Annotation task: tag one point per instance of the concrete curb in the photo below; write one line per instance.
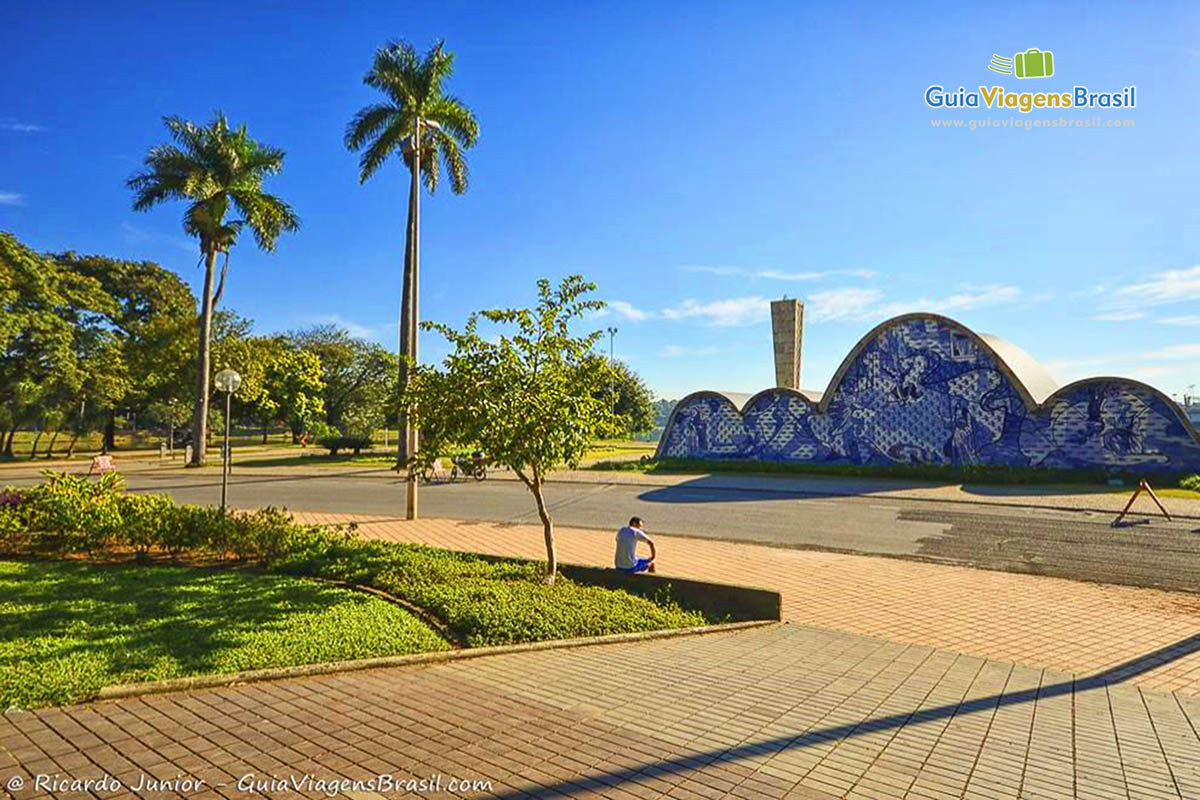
(129, 690)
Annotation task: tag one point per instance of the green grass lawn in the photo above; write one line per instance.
(491, 601)
(68, 629)
(317, 457)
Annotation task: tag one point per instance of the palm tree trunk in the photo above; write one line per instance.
(414, 227)
(405, 326)
(203, 365)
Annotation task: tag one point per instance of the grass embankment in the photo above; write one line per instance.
(110, 608)
(1093, 480)
(488, 601)
(68, 629)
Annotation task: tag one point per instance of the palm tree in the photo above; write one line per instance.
(216, 169)
(425, 128)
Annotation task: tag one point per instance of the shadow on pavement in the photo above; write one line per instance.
(234, 479)
(748, 488)
(604, 781)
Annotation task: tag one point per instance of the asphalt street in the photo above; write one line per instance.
(1073, 544)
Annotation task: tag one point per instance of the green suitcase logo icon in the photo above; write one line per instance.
(1034, 63)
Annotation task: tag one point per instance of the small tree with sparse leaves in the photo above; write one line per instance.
(530, 399)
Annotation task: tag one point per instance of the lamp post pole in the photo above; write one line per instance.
(228, 382)
(612, 334)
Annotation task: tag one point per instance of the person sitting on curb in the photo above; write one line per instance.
(627, 540)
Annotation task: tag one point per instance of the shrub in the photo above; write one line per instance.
(263, 535)
(145, 520)
(12, 524)
(1190, 482)
(335, 443)
(72, 513)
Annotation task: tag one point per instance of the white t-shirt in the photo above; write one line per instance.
(627, 539)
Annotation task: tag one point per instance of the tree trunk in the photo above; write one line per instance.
(203, 365)
(547, 529)
(405, 322)
(110, 432)
(8, 442)
(264, 434)
(71, 446)
(33, 447)
(53, 439)
(406, 316)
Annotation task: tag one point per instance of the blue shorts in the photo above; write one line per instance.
(641, 565)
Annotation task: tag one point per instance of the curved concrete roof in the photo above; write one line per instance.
(1030, 379)
(1033, 375)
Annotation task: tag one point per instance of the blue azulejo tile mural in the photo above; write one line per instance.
(923, 389)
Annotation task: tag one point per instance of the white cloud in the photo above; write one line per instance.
(1130, 363)
(11, 199)
(847, 303)
(20, 127)
(1188, 321)
(972, 297)
(713, 270)
(723, 313)
(624, 310)
(853, 303)
(1176, 352)
(1171, 286)
(135, 235)
(1119, 316)
(353, 328)
(780, 275)
(681, 351)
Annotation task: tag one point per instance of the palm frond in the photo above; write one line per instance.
(368, 122)
(449, 112)
(391, 140)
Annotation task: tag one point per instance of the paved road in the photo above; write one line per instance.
(1074, 544)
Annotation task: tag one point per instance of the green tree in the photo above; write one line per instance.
(630, 398)
(425, 128)
(153, 319)
(359, 376)
(530, 400)
(217, 170)
(295, 386)
(280, 383)
(54, 341)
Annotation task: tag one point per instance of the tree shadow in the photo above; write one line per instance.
(144, 619)
(605, 781)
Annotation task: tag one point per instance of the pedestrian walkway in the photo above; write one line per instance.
(1051, 623)
(784, 711)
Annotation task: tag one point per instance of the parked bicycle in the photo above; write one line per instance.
(460, 468)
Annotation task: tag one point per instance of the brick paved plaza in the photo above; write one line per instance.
(782, 711)
(1068, 626)
(891, 679)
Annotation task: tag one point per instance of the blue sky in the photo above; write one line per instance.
(694, 159)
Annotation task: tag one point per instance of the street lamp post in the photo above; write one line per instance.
(226, 381)
(612, 333)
